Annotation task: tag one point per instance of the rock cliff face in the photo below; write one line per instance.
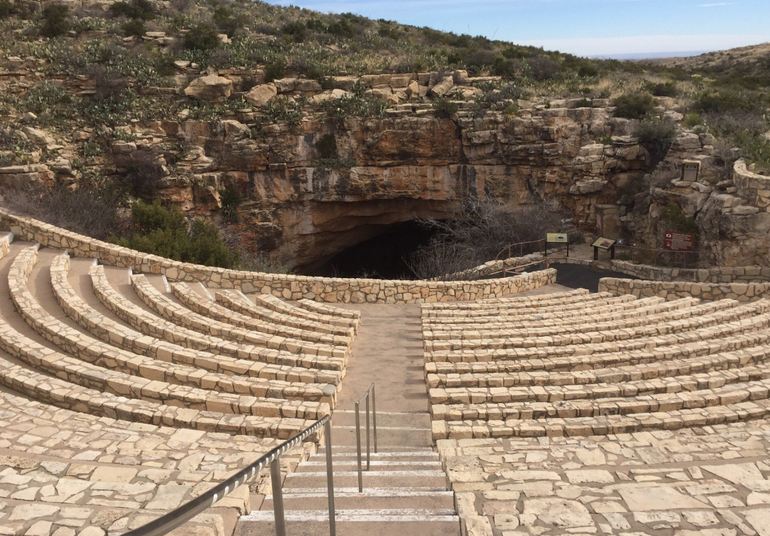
(304, 204)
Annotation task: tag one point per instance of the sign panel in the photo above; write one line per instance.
(603, 243)
(678, 241)
(556, 238)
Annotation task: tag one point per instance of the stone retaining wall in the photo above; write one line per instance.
(495, 267)
(751, 186)
(672, 290)
(721, 274)
(290, 287)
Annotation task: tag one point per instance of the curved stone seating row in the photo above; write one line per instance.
(329, 310)
(510, 301)
(572, 323)
(326, 315)
(97, 365)
(183, 316)
(237, 301)
(593, 302)
(647, 365)
(208, 308)
(275, 363)
(117, 334)
(604, 425)
(568, 313)
(643, 365)
(715, 314)
(586, 356)
(630, 388)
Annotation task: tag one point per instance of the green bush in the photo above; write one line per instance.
(275, 71)
(133, 9)
(203, 36)
(358, 104)
(134, 27)
(326, 146)
(6, 9)
(231, 200)
(724, 101)
(444, 108)
(663, 89)
(161, 231)
(693, 119)
(226, 20)
(634, 105)
(656, 137)
(56, 20)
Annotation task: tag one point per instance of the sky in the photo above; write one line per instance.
(585, 27)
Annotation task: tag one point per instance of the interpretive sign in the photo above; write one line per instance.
(678, 241)
(557, 238)
(603, 243)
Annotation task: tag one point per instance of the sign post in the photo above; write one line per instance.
(556, 238)
(607, 244)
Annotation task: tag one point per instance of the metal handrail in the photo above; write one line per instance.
(190, 509)
(370, 393)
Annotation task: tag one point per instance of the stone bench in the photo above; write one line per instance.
(183, 316)
(119, 335)
(323, 314)
(542, 299)
(281, 364)
(209, 309)
(97, 365)
(585, 324)
(329, 310)
(237, 301)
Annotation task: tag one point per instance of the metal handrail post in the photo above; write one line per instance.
(368, 450)
(374, 417)
(330, 479)
(275, 480)
(358, 450)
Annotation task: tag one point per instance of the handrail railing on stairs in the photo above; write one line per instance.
(181, 515)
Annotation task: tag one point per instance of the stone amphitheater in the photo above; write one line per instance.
(133, 384)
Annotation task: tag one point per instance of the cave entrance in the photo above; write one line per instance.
(382, 257)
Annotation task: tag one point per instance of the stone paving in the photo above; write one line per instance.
(708, 481)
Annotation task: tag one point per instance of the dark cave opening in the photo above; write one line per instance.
(385, 256)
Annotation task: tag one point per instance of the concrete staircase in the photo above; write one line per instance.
(405, 490)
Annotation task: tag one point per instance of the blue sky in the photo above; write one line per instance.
(585, 27)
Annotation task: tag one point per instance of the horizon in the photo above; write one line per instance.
(590, 28)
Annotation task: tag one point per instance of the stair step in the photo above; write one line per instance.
(406, 437)
(389, 419)
(351, 465)
(350, 457)
(394, 515)
(417, 491)
(373, 479)
(441, 501)
(371, 526)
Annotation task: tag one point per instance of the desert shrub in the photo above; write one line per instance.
(163, 231)
(674, 218)
(497, 98)
(282, 109)
(693, 119)
(55, 21)
(141, 174)
(326, 146)
(663, 89)
(90, 207)
(6, 9)
(341, 28)
(444, 108)
(634, 105)
(656, 136)
(133, 9)
(275, 70)
(231, 199)
(134, 27)
(724, 101)
(543, 68)
(203, 36)
(477, 234)
(48, 99)
(226, 20)
(358, 104)
(296, 30)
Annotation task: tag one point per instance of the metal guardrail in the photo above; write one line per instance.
(369, 394)
(179, 516)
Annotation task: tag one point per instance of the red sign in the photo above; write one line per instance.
(678, 241)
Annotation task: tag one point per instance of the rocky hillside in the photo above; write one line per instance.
(302, 134)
